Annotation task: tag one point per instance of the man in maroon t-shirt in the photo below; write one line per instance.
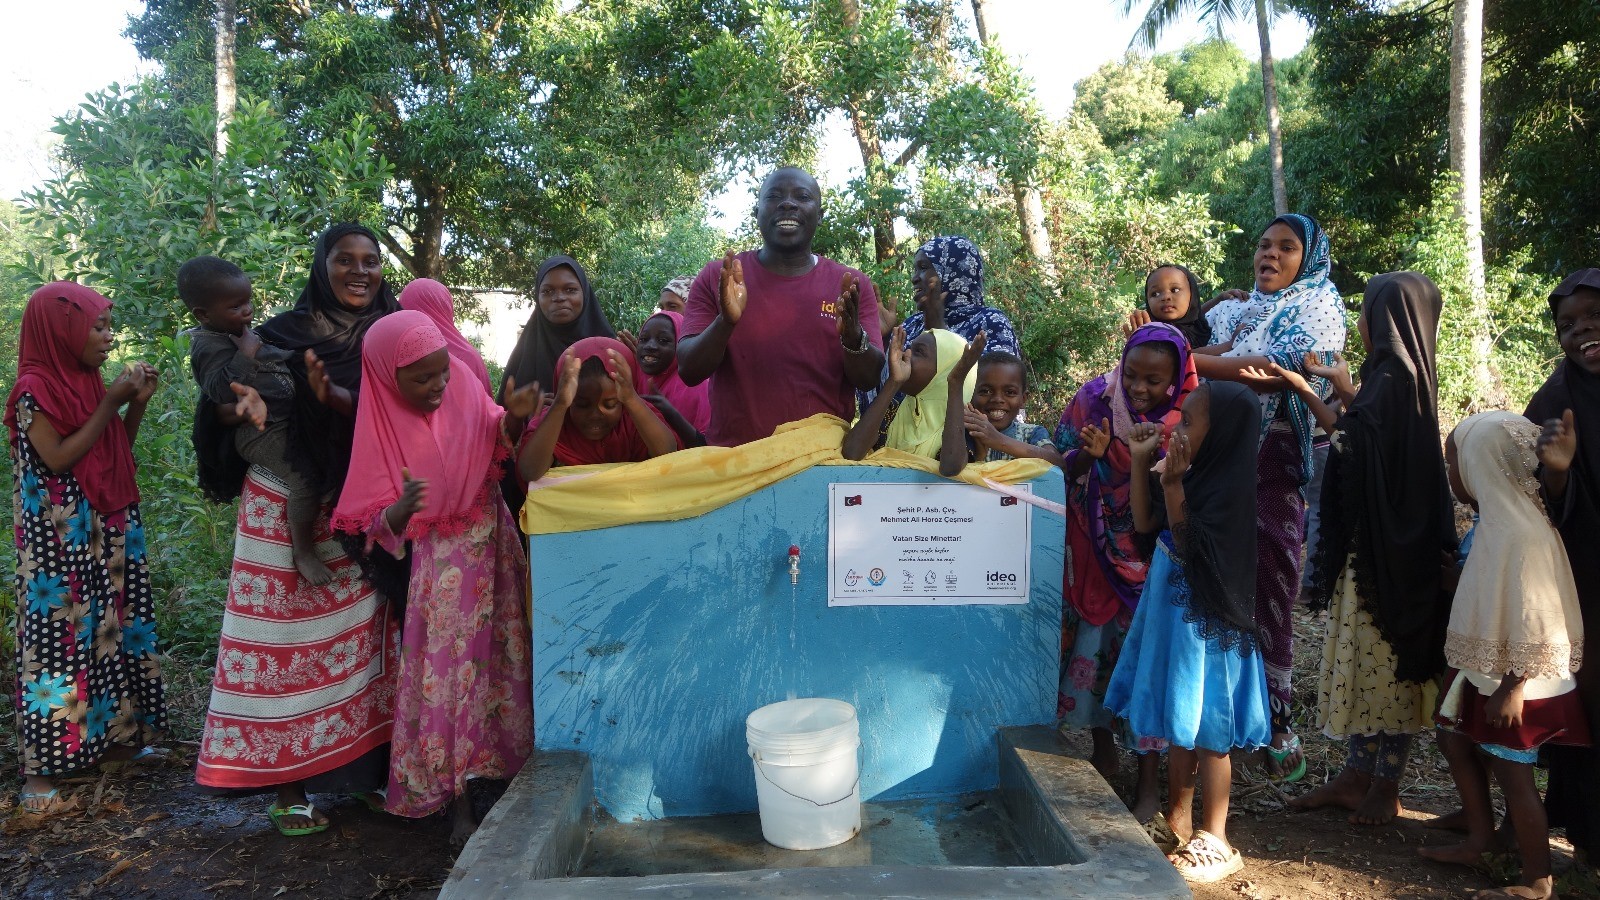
(778, 330)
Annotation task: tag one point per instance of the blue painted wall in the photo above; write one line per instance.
(652, 642)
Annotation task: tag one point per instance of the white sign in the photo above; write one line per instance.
(926, 545)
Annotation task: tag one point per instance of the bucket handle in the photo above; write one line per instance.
(847, 796)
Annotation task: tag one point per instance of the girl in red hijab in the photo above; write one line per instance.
(89, 684)
(423, 485)
(598, 416)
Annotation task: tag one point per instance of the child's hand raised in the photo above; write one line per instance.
(567, 386)
(522, 402)
(623, 376)
(978, 425)
(629, 340)
(899, 356)
(1177, 461)
(126, 386)
(731, 293)
(1144, 442)
(147, 389)
(1096, 439)
(1137, 319)
(1337, 371)
(969, 358)
(250, 407)
(1558, 443)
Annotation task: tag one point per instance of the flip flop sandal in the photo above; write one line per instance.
(1161, 834)
(1206, 859)
(278, 813)
(146, 758)
(376, 801)
(1280, 757)
(29, 803)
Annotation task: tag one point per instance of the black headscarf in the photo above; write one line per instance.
(320, 323)
(1570, 386)
(319, 438)
(1217, 539)
(1384, 494)
(1193, 324)
(542, 343)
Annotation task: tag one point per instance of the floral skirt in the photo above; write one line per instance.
(1088, 654)
(1357, 692)
(305, 675)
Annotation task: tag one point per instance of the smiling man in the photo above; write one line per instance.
(778, 330)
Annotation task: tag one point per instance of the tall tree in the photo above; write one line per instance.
(1024, 192)
(1162, 13)
(227, 75)
(1466, 114)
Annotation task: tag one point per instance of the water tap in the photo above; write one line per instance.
(794, 564)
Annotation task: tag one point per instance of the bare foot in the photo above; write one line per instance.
(463, 824)
(1381, 804)
(1540, 889)
(1466, 853)
(1451, 821)
(311, 568)
(1347, 790)
(1145, 806)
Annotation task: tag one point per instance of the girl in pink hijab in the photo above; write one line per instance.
(433, 300)
(424, 485)
(657, 351)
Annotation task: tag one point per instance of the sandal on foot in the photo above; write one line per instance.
(146, 758)
(377, 800)
(1278, 757)
(1161, 834)
(278, 813)
(44, 803)
(1206, 859)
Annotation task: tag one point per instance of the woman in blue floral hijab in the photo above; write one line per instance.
(954, 266)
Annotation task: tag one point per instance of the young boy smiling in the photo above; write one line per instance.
(991, 418)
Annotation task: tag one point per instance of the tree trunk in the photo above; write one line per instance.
(1269, 90)
(869, 140)
(227, 28)
(1466, 91)
(1030, 205)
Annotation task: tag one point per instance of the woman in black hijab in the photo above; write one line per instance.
(1387, 527)
(565, 311)
(1568, 406)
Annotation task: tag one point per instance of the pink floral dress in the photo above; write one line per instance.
(464, 707)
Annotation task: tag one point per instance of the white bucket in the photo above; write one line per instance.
(807, 779)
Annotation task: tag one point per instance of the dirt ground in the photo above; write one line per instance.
(154, 835)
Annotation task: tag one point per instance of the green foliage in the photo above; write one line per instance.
(1127, 101)
(1203, 76)
(642, 259)
(143, 193)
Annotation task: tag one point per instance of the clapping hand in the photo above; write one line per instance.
(1136, 320)
(1096, 439)
(979, 427)
(851, 334)
(899, 356)
(1558, 443)
(250, 407)
(931, 300)
(1145, 441)
(317, 375)
(622, 374)
(732, 294)
(969, 357)
(629, 340)
(152, 378)
(567, 385)
(1178, 455)
(523, 402)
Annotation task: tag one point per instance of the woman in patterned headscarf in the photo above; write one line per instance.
(951, 268)
(1294, 310)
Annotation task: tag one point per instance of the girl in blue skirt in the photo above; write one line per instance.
(1190, 672)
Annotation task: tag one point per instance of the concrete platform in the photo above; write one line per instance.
(1072, 839)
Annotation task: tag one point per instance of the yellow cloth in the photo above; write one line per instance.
(918, 425)
(693, 482)
(1358, 693)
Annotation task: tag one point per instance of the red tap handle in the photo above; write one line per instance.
(793, 550)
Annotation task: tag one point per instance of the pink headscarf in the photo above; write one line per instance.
(433, 300)
(694, 403)
(623, 444)
(55, 327)
(454, 448)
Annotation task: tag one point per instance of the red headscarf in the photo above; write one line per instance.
(623, 444)
(433, 300)
(453, 448)
(694, 403)
(55, 328)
